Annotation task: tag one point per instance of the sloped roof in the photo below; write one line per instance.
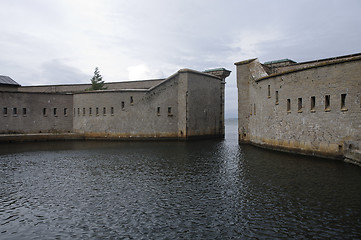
(5, 80)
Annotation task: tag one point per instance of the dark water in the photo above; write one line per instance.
(174, 190)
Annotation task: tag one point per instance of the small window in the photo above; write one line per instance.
(78, 111)
(277, 102)
(343, 102)
(112, 111)
(45, 112)
(90, 111)
(269, 91)
(15, 111)
(158, 111)
(65, 112)
(288, 105)
(250, 109)
(104, 111)
(55, 111)
(313, 104)
(5, 111)
(123, 105)
(299, 105)
(24, 111)
(254, 109)
(131, 100)
(170, 111)
(83, 111)
(327, 103)
(97, 111)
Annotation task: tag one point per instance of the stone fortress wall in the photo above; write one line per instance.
(311, 108)
(185, 105)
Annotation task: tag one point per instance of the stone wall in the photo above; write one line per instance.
(311, 111)
(35, 112)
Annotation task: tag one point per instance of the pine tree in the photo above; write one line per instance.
(97, 81)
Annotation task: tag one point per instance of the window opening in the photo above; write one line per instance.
(269, 91)
(343, 102)
(277, 98)
(170, 111)
(15, 111)
(97, 111)
(158, 111)
(78, 111)
(44, 111)
(123, 105)
(112, 110)
(5, 111)
(313, 104)
(83, 111)
(104, 111)
(24, 111)
(299, 105)
(131, 100)
(65, 112)
(55, 111)
(327, 103)
(90, 111)
(254, 109)
(288, 105)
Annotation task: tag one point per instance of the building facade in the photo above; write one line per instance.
(311, 108)
(188, 104)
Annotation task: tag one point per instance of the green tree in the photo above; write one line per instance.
(97, 81)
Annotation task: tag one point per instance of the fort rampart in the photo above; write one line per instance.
(311, 108)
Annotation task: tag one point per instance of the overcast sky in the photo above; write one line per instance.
(62, 41)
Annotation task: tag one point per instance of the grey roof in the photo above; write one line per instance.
(280, 61)
(5, 80)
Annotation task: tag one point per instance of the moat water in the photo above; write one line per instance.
(210, 189)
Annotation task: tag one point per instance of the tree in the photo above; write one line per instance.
(97, 81)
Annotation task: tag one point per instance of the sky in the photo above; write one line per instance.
(46, 42)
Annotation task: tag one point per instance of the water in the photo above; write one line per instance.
(208, 189)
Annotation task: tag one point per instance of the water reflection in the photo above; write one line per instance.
(160, 190)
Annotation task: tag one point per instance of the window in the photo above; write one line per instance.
(65, 112)
(250, 109)
(327, 103)
(104, 111)
(343, 102)
(45, 112)
(288, 105)
(254, 109)
(123, 105)
(313, 104)
(90, 111)
(55, 111)
(277, 98)
(170, 111)
(112, 111)
(5, 111)
(83, 111)
(158, 111)
(131, 100)
(15, 111)
(97, 111)
(269, 91)
(24, 111)
(78, 111)
(299, 105)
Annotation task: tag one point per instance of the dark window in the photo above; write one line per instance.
(24, 111)
(65, 112)
(97, 111)
(343, 102)
(15, 111)
(55, 111)
(169, 111)
(131, 100)
(313, 103)
(112, 110)
(90, 111)
(269, 91)
(104, 111)
(299, 104)
(123, 105)
(78, 111)
(158, 111)
(254, 109)
(83, 111)
(44, 111)
(5, 111)
(288, 105)
(327, 102)
(276, 97)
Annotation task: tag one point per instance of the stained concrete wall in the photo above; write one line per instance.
(24, 112)
(288, 122)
